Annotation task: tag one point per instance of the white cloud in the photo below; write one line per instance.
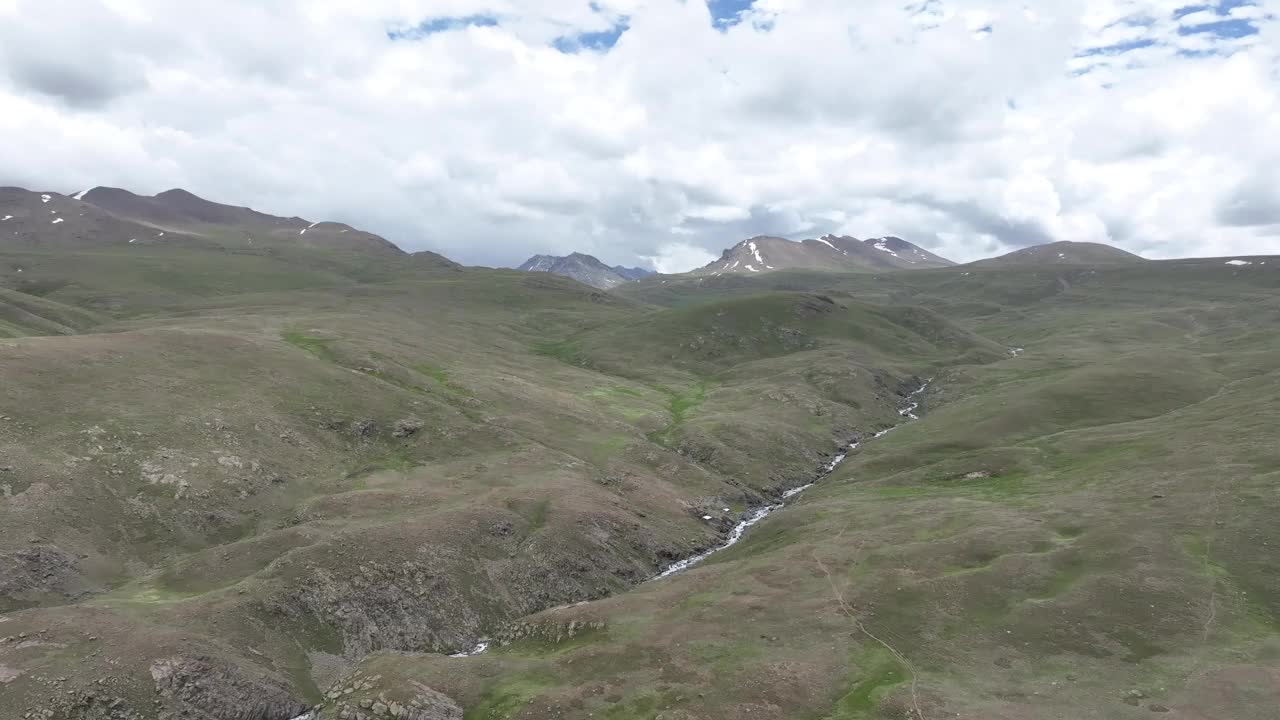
(1082, 119)
(718, 213)
(675, 257)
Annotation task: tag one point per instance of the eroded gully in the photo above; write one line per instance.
(907, 411)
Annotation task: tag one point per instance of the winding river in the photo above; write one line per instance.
(908, 410)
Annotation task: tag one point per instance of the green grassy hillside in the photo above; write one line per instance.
(1081, 530)
(277, 468)
(711, 338)
(236, 485)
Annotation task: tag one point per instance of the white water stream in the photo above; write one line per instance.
(478, 649)
(908, 411)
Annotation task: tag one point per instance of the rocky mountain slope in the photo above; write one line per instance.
(48, 220)
(586, 269)
(110, 217)
(829, 253)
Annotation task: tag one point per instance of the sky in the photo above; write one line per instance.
(659, 132)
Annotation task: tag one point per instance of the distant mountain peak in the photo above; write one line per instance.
(633, 273)
(765, 253)
(1064, 253)
(586, 269)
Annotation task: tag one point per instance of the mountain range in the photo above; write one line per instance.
(177, 218)
(828, 253)
(760, 255)
(110, 216)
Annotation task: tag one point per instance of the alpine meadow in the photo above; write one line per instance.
(249, 480)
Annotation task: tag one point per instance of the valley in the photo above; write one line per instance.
(317, 476)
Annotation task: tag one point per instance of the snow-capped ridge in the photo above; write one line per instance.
(828, 253)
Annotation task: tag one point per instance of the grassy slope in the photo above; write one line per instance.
(220, 473)
(1082, 531)
(22, 314)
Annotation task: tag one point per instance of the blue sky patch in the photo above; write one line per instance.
(434, 26)
(1185, 11)
(1229, 28)
(1118, 48)
(600, 41)
(727, 13)
(1225, 27)
(1211, 24)
(1139, 20)
(1223, 7)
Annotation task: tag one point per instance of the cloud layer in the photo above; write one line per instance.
(662, 131)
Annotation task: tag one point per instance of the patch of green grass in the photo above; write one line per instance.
(1068, 570)
(643, 707)
(1000, 488)
(975, 564)
(148, 592)
(1069, 532)
(506, 699)
(879, 672)
(438, 374)
(724, 656)
(566, 351)
(398, 458)
(1252, 603)
(393, 380)
(702, 600)
(625, 401)
(680, 405)
(317, 346)
(533, 511)
(609, 445)
(1139, 648)
(442, 378)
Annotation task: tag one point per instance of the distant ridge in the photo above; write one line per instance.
(586, 269)
(832, 253)
(633, 273)
(1063, 253)
(180, 211)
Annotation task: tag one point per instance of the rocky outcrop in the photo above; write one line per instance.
(199, 688)
(398, 605)
(549, 631)
(37, 572)
(406, 427)
(360, 698)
